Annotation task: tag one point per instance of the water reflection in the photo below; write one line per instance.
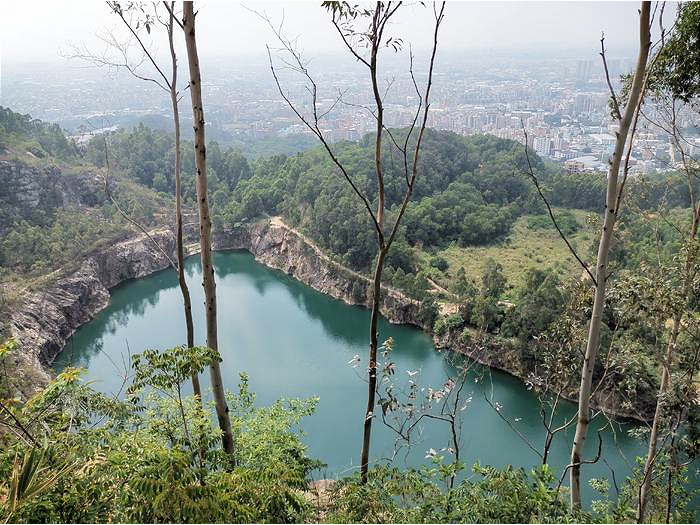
(295, 342)
(350, 329)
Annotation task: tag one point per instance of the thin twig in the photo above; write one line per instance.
(613, 96)
(19, 424)
(536, 182)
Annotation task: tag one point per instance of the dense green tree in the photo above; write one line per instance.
(539, 303)
(678, 61)
(39, 137)
(493, 282)
(428, 312)
(401, 256)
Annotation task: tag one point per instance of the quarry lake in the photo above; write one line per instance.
(295, 342)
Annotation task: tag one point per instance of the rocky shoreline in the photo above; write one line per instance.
(506, 358)
(49, 317)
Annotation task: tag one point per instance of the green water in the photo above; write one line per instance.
(296, 342)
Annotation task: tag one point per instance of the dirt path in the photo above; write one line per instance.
(446, 307)
(440, 289)
(278, 222)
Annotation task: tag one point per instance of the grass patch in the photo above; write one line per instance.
(523, 248)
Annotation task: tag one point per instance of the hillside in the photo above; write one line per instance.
(54, 208)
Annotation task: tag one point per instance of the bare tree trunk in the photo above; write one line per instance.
(377, 280)
(187, 301)
(209, 283)
(611, 212)
(372, 370)
(169, 85)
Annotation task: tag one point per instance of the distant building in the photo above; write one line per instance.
(584, 163)
(583, 71)
(604, 140)
(583, 103)
(543, 146)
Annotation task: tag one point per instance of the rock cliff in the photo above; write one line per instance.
(32, 193)
(283, 249)
(50, 316)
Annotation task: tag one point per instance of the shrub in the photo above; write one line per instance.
(454, 322)
(439, 262)
(440, 327)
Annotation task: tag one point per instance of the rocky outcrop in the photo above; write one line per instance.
(50, 316)
(281, 248)
(31, 193)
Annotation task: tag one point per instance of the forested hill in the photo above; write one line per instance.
(470, 192)
(53, 204)
(34, 137)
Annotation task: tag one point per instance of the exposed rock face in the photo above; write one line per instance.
(279, 248)
(49, 317)
(31, 193)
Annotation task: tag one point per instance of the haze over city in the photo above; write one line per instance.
(500, 65)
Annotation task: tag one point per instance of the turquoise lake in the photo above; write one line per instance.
(295, 342)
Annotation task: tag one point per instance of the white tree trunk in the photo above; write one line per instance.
(593, 343)
(184, 289)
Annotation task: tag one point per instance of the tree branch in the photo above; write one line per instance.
(613, 96)
(536, 182)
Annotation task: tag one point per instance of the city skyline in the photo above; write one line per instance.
(559, 97)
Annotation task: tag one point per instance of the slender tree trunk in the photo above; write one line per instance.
(647, 473)
(547, 446)
(382, 250)
(602, 259)
(372, 369)
(187, 301)
(669, 482)
(209, 283)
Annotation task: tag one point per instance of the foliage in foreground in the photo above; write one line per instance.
(71, 454)
(488, 495)
(415, 496)
(87, 457)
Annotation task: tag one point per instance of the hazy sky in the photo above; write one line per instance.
(33, 30)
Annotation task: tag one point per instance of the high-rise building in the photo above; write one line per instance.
(583, 71)
(543, 146)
